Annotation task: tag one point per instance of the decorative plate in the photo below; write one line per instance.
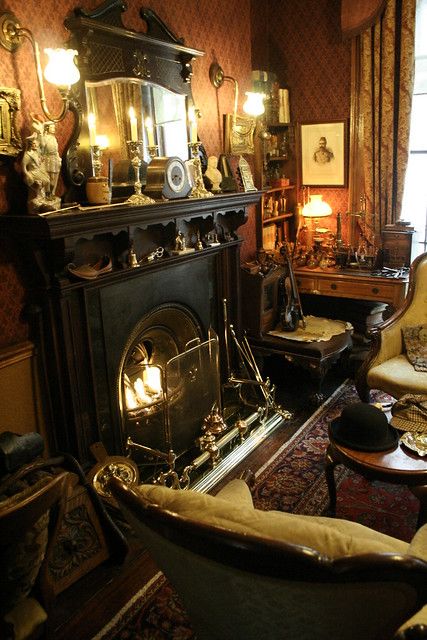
(415, 441)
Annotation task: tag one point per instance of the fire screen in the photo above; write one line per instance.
(169, 383)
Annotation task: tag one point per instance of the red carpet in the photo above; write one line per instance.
(293, 481)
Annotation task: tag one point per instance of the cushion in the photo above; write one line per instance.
(415, 339)
(330, 536)
(418, 545)
(396, 377)
(236, 491)
(21, 559)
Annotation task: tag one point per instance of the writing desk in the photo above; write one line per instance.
(354, 284)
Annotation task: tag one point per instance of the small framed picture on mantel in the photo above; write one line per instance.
(324, 153)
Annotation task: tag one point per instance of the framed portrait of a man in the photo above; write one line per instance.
(323, 153)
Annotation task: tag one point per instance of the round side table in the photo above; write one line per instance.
(398, 466)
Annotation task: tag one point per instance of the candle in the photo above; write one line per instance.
(150, 132)
(193, 124)
(133, 125)
(91, 120)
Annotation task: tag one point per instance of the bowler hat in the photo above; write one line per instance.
(363, 427)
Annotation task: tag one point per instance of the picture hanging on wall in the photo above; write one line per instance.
(323, 153)
(239, 134)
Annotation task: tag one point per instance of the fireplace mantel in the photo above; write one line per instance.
(92, 220)
(56, 233)
(81, 326)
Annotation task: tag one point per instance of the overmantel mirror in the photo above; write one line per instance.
(133, 85)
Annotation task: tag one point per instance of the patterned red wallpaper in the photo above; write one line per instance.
(300, 39)
(308, 55)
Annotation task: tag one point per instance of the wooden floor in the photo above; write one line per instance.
(88, 605)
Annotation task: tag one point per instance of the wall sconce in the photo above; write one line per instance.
(238, 129)
(60, 70)
(218, 77)
(254, 103)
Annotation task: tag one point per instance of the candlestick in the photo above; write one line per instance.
(96, 159)
(150, 132)
(91, 120)
(138, 198)
(133, 125)
(199, 190)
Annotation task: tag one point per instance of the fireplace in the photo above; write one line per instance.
(117, 351)
(168, 383)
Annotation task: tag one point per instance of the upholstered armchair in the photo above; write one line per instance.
(26, 541)
(388, 366)
(247, 574)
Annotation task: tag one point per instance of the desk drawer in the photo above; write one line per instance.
(364, 290)
(306, 284)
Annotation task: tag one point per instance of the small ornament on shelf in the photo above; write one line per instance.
(199, 190)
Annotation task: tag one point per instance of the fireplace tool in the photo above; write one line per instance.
(169, 477)
(249, 365)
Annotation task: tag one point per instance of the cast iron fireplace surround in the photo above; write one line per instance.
(82, 327)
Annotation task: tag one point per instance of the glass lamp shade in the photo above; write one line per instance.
(61, 69)
(254, 103)
(316, 207)
(102, 141)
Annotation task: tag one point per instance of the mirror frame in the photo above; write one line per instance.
(107, 50)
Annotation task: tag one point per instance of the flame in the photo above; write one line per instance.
(140, 391)
(131, 401)
(144, 392)
(152, 380)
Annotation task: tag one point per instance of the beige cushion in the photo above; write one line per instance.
(418, 545)
(329, 536)
(236, 491)
(397, 376)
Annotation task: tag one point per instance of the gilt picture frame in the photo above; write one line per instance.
(323, 147)
(239, 134)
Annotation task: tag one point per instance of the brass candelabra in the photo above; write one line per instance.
(137, 198)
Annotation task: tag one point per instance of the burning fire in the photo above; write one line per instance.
(144, 391)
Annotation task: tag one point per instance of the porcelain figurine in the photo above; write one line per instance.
(35, 176)
(213, 174)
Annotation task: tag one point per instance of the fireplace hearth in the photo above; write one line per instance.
(112, 347)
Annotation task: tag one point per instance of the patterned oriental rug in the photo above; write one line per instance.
(293, 481)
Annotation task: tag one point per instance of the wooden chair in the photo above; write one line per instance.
(246, 574)
(26, 539)
(387, 367)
